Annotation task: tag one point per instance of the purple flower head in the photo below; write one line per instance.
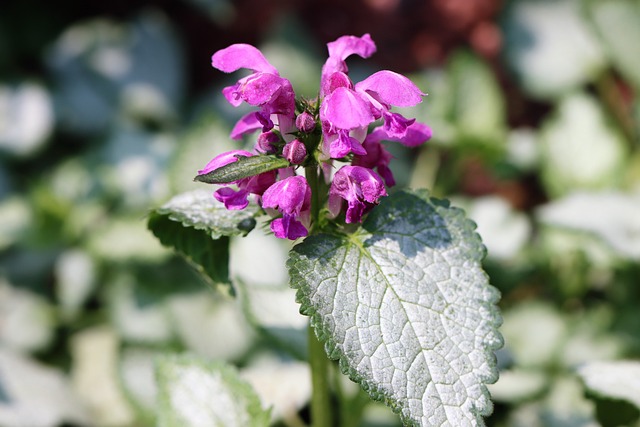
(339, 51)
(291, 197)
(263, 88)
(378, 157)
(238, 199)
(295, 152)
(346, 107)
(361, 187)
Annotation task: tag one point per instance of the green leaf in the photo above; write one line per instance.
(618, 22)
(613, 379)
(197, 226)
(193, 392)
(478, 107)
(550, 47)
(579, 148)
(242, 168)
(406, 308)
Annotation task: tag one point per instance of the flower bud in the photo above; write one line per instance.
(295, 152)
(305, 122)
(266, 142)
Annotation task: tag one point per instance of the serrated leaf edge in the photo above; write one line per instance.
(373, 390)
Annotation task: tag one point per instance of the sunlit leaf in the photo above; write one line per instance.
(613, 379)
(198, 226)
(478, 107)
(612, 216)
(194, 393)
(550, 46)
(406, 307)
(580, 150)
(618, 23)
(35, 395)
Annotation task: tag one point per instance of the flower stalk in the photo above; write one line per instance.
(321, 408)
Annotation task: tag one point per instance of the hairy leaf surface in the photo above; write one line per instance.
(407, 309)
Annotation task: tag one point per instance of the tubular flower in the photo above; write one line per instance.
(347, 110)
(310, 134)
(292, 198)
(361, 187)
(263, 88)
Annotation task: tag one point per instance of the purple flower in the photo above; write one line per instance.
(291, 197)
(339, 51)
(347, 110)
(361, 187)
(238, 199)
(378, 157)
(263, 88)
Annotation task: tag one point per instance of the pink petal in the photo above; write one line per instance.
(392, 88)
(290, 196)
(260, 88)
(346, 46)
(232, 95)
(288, 227)
(222, 160)
(239, 56)
(345, 109)
(247, 123)
(232, 199)
(416, 134)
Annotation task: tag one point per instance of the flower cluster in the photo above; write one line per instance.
(347, 122)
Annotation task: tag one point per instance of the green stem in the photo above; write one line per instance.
(311, 173)
(321, 413)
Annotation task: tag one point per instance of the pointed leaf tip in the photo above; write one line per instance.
(244, 167)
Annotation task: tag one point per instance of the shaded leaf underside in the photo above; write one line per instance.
(407, 309)
(198, 227)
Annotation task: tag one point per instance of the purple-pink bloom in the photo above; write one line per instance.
(263, 88)
(291, 197)
(376, 157)
(361, 188)
(339, 51)
(238, 199)
(350, 108)
(414, 135)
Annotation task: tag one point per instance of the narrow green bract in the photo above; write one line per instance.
(407, 309)
(244, 167)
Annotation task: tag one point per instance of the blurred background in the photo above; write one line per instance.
(107, 109)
